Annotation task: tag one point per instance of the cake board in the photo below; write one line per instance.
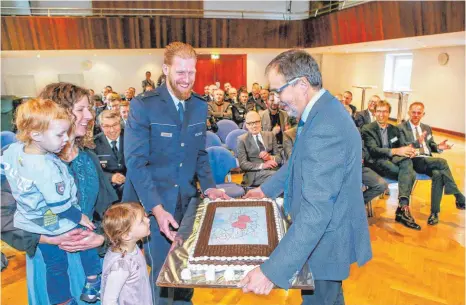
(177, 259)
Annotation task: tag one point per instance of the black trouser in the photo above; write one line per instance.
(400, 169)
(439, 171)
(375, 184)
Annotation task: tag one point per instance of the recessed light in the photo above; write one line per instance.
(38, 55)
(95, 54)
(150, 53)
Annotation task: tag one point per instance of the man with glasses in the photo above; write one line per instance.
(367, 116)
(257, 152)
(109, 147)
(389, 157)
(321, 183)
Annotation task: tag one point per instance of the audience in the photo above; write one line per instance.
(419, 135)
(274, 119)
(124, 112)
(206, 92)
(220, 109)
(240, 108)
(367, 116)
(259, 104)
(257, 152)
(147, 82)
(233, 96)
(113, 102)
(347, 98)
(128, 95)
(374, 184)
(264, 95)
(339, 97)
(226, 88)
(109, 148)
(389, 158)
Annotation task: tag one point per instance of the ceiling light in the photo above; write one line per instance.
(95, 54)
(38, 55)
(150, 53)
(214, 56)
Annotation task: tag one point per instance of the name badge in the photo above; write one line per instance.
(429, 137)
(198, 134)
(103, 161)
(394, 140)
(166, 134)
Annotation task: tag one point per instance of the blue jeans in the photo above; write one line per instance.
(325, 293)
(56, 262)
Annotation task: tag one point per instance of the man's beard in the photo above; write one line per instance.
(182, 96)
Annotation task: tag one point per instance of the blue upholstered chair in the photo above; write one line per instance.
(221, 162)
(212, 140)
(7, 137)
(224, 128)
(232, 138)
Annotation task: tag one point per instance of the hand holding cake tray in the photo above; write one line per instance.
(222, 241)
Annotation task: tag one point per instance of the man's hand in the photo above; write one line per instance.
(444, 145)
(270, 164)
(265, 155)
(86, 222)
(177, 242)
(216, 194)
(118, 178)
(80, 240)
(255, 281)
(164, 220)
(405, 151)
(422, 137)
(254, 194)
(276, 129)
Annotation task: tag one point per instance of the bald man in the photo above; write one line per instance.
(258, 153)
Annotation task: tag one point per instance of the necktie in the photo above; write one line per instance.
(115, 149)
(421, 148)
(259, 143)
(286, 202)
(181, 111)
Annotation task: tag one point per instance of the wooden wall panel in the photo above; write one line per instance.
(376, 20)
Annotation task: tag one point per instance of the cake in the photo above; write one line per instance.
(234, 235)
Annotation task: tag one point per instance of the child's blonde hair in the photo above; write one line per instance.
(36, 115)
(118, 220)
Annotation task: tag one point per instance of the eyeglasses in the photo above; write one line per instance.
(111, 126)
(253, 123)
(276, 92)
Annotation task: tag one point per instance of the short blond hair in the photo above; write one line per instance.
(108, 114)
(36, 115)
(113, 97)
(179, 49)
(124, 104)
(118, 220)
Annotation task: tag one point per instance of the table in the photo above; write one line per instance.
(176, 261)
(363, 98)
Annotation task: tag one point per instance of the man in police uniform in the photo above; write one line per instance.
(165, 149)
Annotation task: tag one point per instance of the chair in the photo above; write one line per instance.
(221, 162)
(421, 177)
(232, 137)
(7, 137)
(224, 128)
(212, 140)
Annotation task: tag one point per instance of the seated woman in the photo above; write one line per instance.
(95, 194)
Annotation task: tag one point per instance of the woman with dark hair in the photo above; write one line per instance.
(95, 194)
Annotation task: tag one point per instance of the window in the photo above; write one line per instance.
(397, 75)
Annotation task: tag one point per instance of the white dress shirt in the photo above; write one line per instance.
(419, 130)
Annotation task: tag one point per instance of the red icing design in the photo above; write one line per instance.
(242, 222)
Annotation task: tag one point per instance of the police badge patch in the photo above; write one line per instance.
(60, 187)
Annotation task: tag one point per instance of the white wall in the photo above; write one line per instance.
(278, 7)
(440, 88)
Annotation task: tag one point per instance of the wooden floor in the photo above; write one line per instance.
(408, 267)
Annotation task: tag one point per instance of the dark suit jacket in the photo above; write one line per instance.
(329, 229)
(267, 123)
(110, 163)
(353, 109)
(407, 137)
(259, 104)
(248, 154)
(373, 142)
(362, 118)
(289, 137)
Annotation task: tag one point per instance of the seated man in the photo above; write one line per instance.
(347, 98)
(389, 158)
(259, 104)
(257, 152)
(240, 108)
(109, 146)
(124, 112)
(274, 119)
(367, 116)
(289, 136)
(413, 132)
(375, 185)
(220, 109)
(232, 96)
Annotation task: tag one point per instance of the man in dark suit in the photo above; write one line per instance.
(389, 158)
(348, 98)
(165, 151)
(241, 108)
(413, 132)
(259, 104)
(257, 152)
(367, 116)
(274, 119)
(322, 187)
(109, 148)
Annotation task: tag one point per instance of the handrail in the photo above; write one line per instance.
(63, 11)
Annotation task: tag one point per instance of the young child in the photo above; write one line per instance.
(125, 279)
(45, 193)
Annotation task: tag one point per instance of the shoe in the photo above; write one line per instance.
(460, 201)
(404, 217)
(433, 219)
(91, 291)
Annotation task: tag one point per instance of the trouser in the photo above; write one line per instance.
(375, 184)
(56, 263)
(402, 171)
(261, 176)
(442, 178)
(325, 293)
